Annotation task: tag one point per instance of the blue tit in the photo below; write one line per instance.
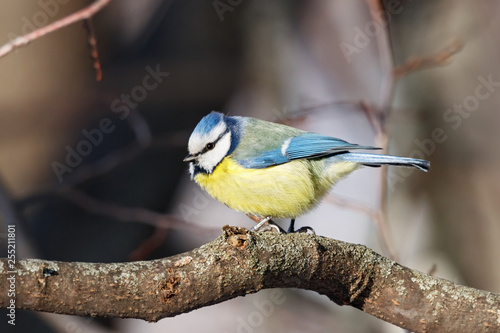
(269, 170)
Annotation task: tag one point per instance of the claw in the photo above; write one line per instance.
(271, 227)
(291, 228)
(305, 229)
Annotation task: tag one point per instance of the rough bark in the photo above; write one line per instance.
(241, 262)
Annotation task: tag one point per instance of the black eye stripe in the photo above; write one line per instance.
(206, 148)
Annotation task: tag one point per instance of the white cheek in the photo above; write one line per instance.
(191, 169)
(210, 159)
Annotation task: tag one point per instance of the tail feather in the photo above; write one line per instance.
(375, 160)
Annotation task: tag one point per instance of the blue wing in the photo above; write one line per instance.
(307, 145)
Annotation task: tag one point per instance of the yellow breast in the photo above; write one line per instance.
(283, 191)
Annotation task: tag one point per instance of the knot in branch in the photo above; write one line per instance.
(235, 236)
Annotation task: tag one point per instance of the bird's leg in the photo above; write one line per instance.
(260, 224)
(254, 218)
(291, 228)
(264, 224)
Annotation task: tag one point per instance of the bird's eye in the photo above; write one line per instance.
(210, 146)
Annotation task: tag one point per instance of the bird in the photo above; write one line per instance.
(269, 170)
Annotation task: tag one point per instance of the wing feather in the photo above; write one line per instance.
(307, 145)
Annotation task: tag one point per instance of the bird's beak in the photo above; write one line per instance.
(189, 158)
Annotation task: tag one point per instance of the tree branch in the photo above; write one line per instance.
(80, 15)
(94, 52)
(241, 262)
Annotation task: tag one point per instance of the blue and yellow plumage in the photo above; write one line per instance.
(270, 170)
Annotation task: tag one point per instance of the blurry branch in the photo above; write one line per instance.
(384, 48)
(141, 128)
(149, 245)
(100, 168)
(378, 114)
(162, 222)
(376, 215)
(143, 141)
(240, 262)
(81, 15)
(373, 117)
(128, 214)
(8, 212)
(441, 58)
(10, 215)
(94, 53)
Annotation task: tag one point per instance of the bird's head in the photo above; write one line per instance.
(213, 138)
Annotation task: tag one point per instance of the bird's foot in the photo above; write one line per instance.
(265, 224)
(272, 228)
(261, 224)
(304, 230)
(291, 228)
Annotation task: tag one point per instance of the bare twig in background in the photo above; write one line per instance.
(141, 128)
(80, 15)
(143, 140)
(433, 270)
(8, 211)
(94, 53)
(373, 117)
(377, 115)
(376, 215)
(129, 214)
(384, 49)
(101, 167)
(10, 215)
(148, 246)
(441, 58)
(106, 164)
(241, 262)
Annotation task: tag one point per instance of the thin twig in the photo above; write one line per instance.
(376, 215)
(80, 15)
(353, 205)
(129, 214)
(441, 58)
(94, 53)
(383, 224)
(142, 131)
(387, 95)
(373, 117)
(385, 54)
(106, 164)
(148, 246)
(432, 270)
(9, 214)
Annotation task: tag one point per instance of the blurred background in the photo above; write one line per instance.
(93, 171)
